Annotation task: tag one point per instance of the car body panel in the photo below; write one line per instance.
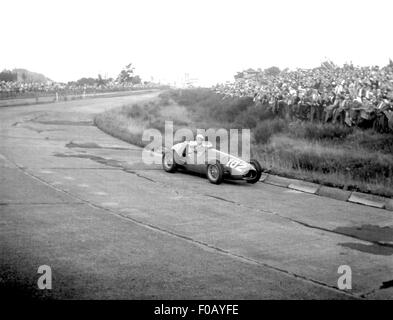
(197, 158)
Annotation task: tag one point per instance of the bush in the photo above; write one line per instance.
(165, 101)
(371, 140)
(247, 119)
(209, 105)
(252, 116)
(158, 124)
(358, 165)
(136, 111)
(265, 129)
(227, 110)
(151, 109)
(319, 131)
(189, 97)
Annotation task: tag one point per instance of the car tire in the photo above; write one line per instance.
(215, 173)
(258, 168)
(168, 162)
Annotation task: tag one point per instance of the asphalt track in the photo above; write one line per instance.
(111, 227)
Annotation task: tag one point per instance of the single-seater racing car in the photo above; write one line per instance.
(202, 158)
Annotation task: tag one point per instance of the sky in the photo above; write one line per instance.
(210, 40)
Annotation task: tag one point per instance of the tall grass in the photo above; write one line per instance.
(129, 121)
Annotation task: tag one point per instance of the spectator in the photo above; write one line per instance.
(333, 90)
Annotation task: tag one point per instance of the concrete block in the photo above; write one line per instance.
(305, 186)
(389, 204)
(367, 199)
(334, 193)
(263, 177)
(278, 181)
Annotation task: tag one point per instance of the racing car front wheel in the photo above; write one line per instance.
(258, 172)
(215, 173)
(168, 162)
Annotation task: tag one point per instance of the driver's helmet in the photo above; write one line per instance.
(199, 139)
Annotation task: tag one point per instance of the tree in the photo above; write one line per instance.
(100, 81)
(86, 81)
(127, 75)
(136, 80)
(8, 76)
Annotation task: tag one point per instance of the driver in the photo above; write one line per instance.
(196, 146)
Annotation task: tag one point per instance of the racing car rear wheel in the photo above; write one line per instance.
(215, 173)
(168, 162)
(258, 173)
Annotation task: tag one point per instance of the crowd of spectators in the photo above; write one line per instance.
(329, 93)
(15, 89)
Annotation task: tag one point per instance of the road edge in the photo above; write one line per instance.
(329, 192)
